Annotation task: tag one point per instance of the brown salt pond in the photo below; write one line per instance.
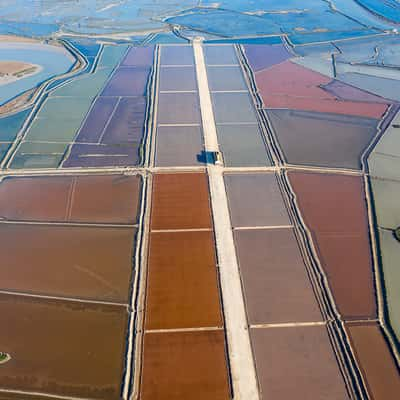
(182, 289)
(34, 198)
(297, 361)
(106, 198)
(180, 201)
(275, 280)
(255, 200)
(185, 366)
(63, 348)
(375, 360)
(100, 198)
(67, 261)
(334, 210)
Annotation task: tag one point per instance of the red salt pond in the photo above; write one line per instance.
(334, 210)
(288, 85)
(184, 366)
(94, 198)
(182, 289)
(184, 342)
(377, 364)
(180, 201)
(84, 262)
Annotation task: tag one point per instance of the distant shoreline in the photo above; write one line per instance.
(20, 39)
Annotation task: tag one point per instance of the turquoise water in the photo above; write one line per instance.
(168, 38)
(89, 16)
(89, 48)
(225, 18)
(318, 22)
(28, 29)
(224, 23)
(12, 124)
(249, 40)
(389, 9)
(53, 60)
(357, 11)
(299, 39)
(266, 5)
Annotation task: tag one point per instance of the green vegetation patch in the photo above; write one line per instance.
(4, 357)
(397, 233)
